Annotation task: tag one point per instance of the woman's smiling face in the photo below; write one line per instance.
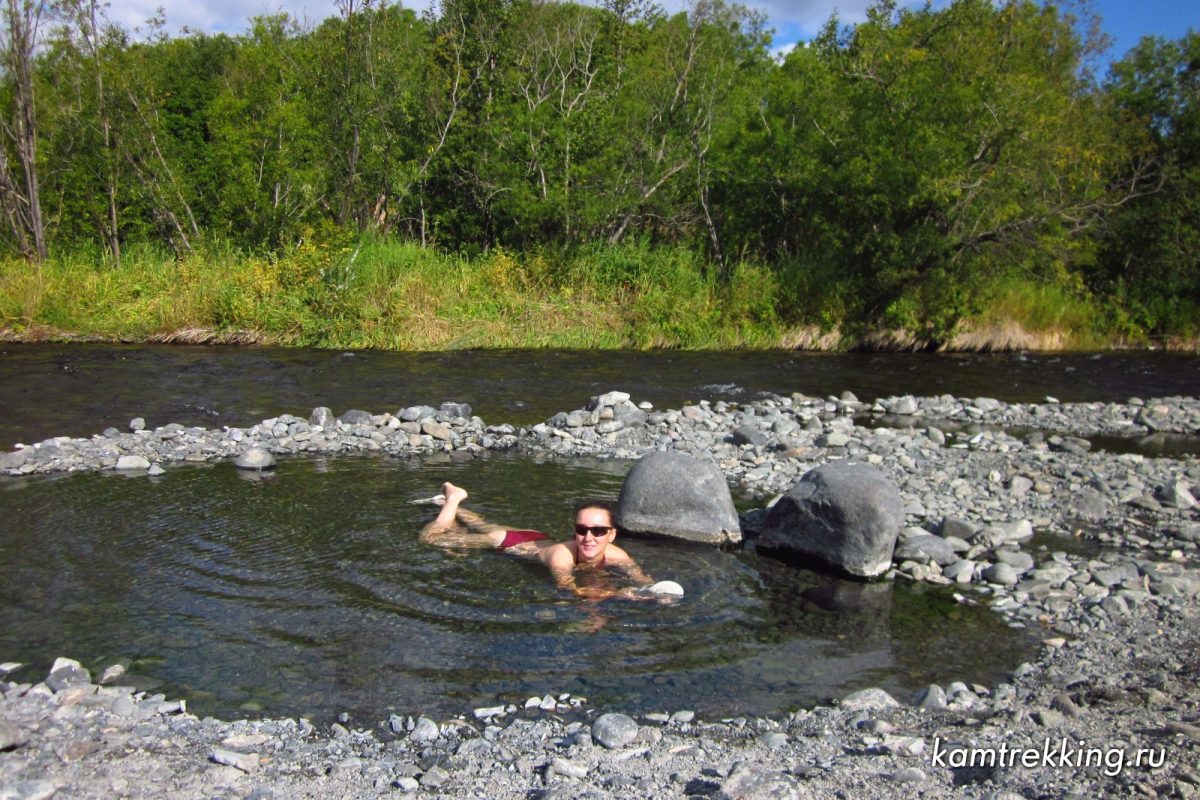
(591, 547)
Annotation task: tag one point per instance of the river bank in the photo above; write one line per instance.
(998, 515)
(1005, 336)
(383, 294)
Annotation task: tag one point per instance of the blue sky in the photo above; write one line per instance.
(793, 20)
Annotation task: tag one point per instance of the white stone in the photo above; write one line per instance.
(132, 463)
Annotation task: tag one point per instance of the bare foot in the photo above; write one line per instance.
(452, 492)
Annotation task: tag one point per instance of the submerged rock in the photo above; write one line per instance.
(672, 494)
(845, 514)
(255, 458)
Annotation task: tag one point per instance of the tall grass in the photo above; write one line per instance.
(371, 292)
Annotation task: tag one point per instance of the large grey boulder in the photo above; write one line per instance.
(845, 514)
(672, 494)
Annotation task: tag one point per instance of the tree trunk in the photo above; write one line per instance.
(22, 18)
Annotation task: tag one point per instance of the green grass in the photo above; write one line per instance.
(374, 293)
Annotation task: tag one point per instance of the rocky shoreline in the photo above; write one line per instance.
(1118, 674)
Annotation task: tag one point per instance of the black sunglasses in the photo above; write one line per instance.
(595, 530)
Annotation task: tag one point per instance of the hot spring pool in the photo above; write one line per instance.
(306, 593)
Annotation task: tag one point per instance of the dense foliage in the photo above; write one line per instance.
(918, 169)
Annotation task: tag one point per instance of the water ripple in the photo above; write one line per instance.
(309, 593)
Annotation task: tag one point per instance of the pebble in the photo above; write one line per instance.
(569, 769)
(434, 776)
(246, 762)
(909, 775)
(872, 699)
(931, 698)
(753, 783)
(426, 730)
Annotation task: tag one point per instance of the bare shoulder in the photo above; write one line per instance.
(615, 555)
(557, 555)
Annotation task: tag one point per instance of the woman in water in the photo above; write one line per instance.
(590, 551)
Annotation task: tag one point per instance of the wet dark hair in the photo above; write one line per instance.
(605, 505)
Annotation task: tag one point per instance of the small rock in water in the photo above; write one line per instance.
(137, 424)
(255, 458)
(614, 730)
(132, 462)
(666, 588)
(111, 673)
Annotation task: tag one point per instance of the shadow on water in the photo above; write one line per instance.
(308, 593)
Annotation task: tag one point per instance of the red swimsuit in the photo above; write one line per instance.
(512, 538)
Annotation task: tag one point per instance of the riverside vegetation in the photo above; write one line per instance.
(550, 174)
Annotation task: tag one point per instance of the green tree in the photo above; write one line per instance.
(1150, 249)
(264, 144)
(928, 149)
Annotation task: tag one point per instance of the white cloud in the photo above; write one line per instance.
(212, 16)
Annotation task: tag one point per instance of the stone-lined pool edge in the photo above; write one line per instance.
(983, 490)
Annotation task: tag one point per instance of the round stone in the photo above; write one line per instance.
(614, 730)
(255, 458)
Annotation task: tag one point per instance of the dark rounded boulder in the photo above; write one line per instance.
(674, 495)
(844, 514)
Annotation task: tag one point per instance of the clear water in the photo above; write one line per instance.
(78, 390)
(307, 593)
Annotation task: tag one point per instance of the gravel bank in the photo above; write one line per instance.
(1118, 674)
